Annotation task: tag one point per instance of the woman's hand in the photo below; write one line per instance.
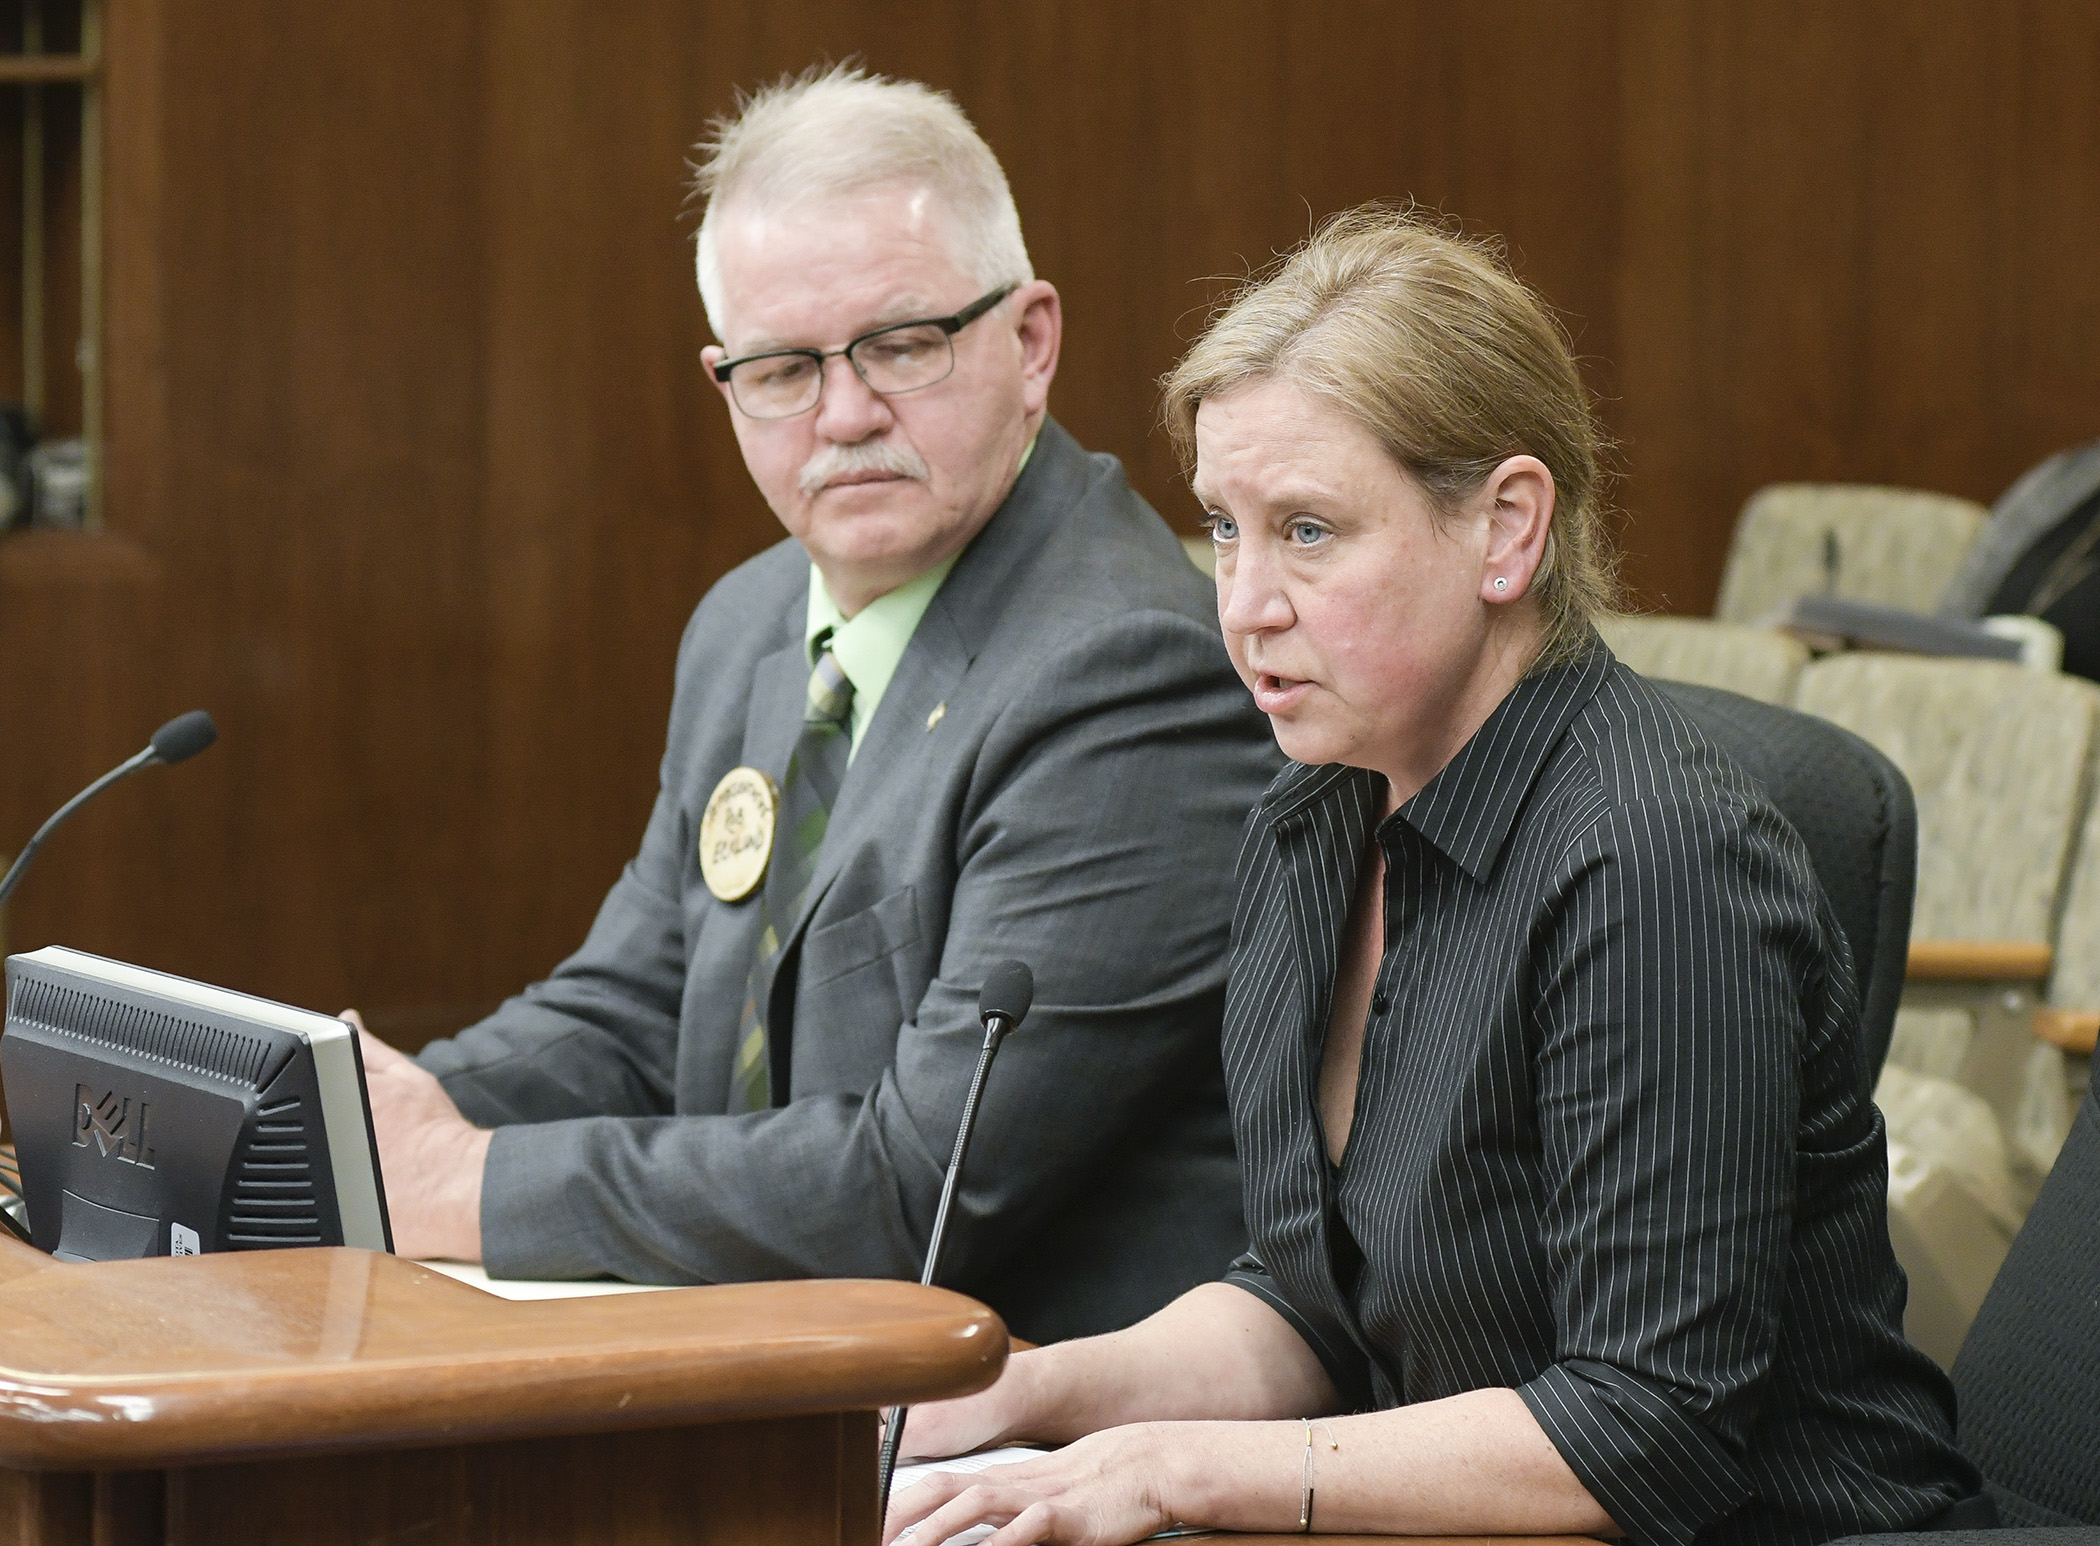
(1129, 1405)
(1105, 1490)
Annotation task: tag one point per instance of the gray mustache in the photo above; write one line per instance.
(868, 456)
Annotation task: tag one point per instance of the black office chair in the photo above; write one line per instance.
(1853, 808)
(2028, 1378)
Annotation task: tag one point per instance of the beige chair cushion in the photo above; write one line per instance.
(1996, 757)
(1955, 1128)
(1950, 1247)
(1899, 547)
(1755, 662)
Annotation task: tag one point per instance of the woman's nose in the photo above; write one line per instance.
(1251, 597)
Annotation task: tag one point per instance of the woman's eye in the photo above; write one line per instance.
(1222, 527)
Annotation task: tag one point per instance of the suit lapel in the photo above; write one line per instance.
(895, 752)
(773, 717)
(961, 616)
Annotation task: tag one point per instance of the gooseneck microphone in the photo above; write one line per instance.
(178, 740)
(1002, 1004)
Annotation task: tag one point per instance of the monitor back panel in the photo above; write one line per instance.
(148, 1125)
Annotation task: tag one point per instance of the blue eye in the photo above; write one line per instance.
(1306, 533)
(1223, 528)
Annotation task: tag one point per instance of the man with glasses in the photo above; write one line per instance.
(976, 709)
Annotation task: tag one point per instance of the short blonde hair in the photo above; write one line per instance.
(838, 130)
(1426, 339)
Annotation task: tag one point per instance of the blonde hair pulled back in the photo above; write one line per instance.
(1426, 339)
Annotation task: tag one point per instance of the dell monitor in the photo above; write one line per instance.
(154, 1116)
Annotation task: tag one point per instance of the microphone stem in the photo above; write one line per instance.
(995, 1029)
(994, 1032)
(122, 770)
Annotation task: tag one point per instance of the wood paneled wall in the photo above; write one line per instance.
(414, 477)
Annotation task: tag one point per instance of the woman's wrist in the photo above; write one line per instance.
(1228, 1475)
(1184, 1485)
(1017, 1400)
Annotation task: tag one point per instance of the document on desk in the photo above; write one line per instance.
(984, 1460)
(473, 1275)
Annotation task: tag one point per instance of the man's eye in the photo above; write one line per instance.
(1222, 527)
(899, 348)
(782, 371)
(1306, 533)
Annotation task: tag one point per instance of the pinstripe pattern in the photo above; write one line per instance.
(1609, 1149)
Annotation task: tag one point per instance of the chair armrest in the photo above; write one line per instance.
(1979, 960)
(2074, 1030)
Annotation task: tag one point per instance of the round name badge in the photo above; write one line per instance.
(736, 833)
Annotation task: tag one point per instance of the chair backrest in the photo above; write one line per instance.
(2027, 1374)
(1899, 547)
(2039, 501)
(1996, 757)
(2075, 981)
(1756, 662)
(1853, 810)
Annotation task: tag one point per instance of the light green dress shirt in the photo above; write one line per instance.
(870, 644)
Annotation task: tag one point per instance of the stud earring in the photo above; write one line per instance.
(1501, 583)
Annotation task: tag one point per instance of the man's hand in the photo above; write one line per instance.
(431, 1156)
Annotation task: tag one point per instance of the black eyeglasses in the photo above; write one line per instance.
(902, 357)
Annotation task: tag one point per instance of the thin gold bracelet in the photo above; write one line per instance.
(1306, 1474)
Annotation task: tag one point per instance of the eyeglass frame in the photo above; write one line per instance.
(949, 325)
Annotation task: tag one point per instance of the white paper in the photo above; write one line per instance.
(472, 1274)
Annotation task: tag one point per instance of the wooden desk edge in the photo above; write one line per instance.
(126, 1425)
(637, 1361)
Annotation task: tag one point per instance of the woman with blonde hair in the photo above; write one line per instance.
(1566, 1207)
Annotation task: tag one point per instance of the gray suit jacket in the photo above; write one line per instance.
(1077, 806)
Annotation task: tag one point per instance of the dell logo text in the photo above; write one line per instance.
(117, 1126)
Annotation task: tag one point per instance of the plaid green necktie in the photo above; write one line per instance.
(807, 792)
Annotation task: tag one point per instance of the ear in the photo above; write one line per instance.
(1039, 327)
(710, 357)
(1517, 499)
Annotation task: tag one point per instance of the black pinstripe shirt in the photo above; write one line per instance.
(1609, 1147)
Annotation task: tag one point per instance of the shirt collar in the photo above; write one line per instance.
(870, 644)
(1467, 810)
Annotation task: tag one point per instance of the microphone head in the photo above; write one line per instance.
(182, 737)
(1007, 993)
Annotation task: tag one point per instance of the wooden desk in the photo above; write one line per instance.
(330, 1396)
